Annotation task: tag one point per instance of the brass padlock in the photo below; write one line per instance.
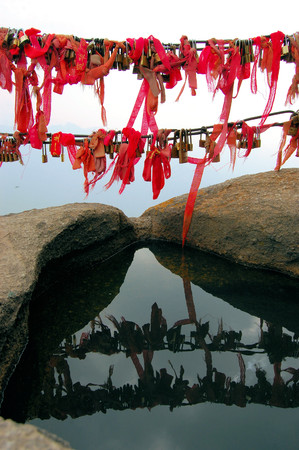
(149, 143)
(111, 150)
(149, 50)
(292, 131)
(189, 141)
(251, 54)
(175, 145)
(117, 142)
(143, 60)
(136, 70)
(202, 141)
(210, 147)
(24, 39)
(126, 60)
(246, 52)
(183, 147)
(295, 118)
(256, 143)
(44, 154)
(119, 59)
(157, 59)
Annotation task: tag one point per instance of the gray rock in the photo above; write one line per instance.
(29, 240)
(21, 437)
(252, 220)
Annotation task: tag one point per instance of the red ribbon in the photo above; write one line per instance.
(126, 159)
(277, 42)
(157, 168)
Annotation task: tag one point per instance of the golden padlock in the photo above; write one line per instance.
(256, 140)
(44, 154)
(175, 145)
(202, 141)
(111, 150)
(251, 54)
(143, 60)
(210, 147)
(183, 147)
(119, 59)
(24, 39)
(189, 141)
(292, 131)
(149, 143)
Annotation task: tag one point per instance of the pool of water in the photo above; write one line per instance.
(162, 348)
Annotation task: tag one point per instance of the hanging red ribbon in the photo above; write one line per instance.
(200, 165)
(277, 42)
(126, 158)
(157, 163)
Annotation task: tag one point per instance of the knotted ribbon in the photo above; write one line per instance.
(157, 163)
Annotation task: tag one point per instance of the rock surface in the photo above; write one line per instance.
(253, 220)
(17, 436)
(28, 241)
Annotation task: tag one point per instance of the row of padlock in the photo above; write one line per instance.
(182, 144)
(242, 141)
(45, 155)
(6, 156)
(245, 50)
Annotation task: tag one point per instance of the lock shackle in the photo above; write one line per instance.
(176, 136)
(183, 139)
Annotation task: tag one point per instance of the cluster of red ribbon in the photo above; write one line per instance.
(77, 61)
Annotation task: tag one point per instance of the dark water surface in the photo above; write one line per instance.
(159, 348)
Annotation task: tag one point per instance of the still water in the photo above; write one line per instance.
(159, 348)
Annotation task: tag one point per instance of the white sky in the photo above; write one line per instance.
(78, 108)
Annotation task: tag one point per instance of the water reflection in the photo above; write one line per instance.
(60, 397)
(77, 320)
